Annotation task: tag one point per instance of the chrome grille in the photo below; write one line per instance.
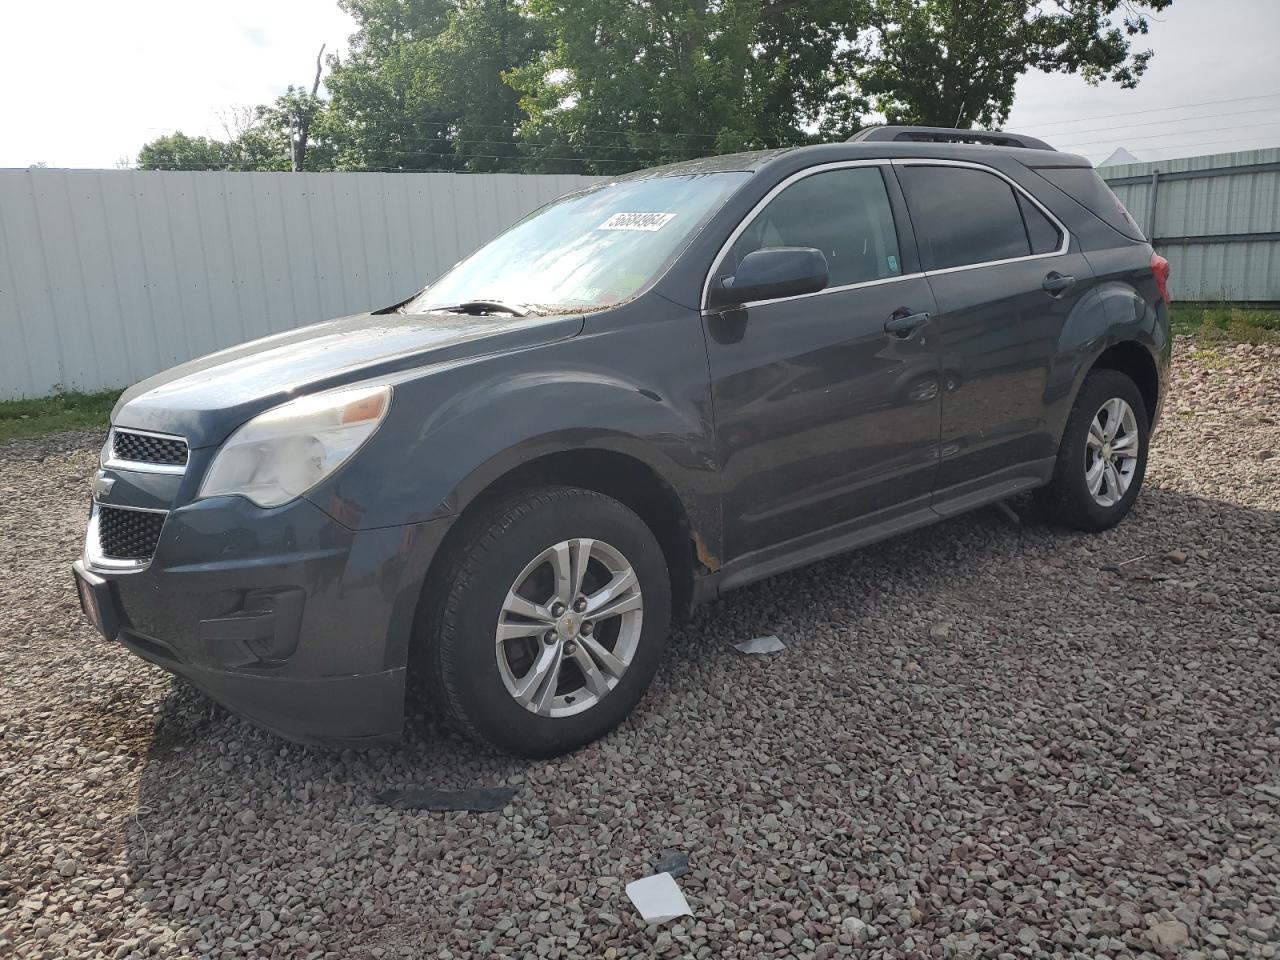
(138, 447)
(128, 534)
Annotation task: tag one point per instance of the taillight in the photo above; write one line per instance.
(1160, 267)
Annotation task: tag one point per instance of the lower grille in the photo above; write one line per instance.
(128, 534)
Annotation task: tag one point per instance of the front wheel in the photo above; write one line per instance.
(556, 610)
(1103, 456)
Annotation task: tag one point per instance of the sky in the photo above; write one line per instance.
(128, 72)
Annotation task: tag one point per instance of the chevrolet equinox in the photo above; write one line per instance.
(643, 394)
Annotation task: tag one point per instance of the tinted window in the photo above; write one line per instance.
(844, 213)
(1044, 236)
(963, 216)
(1085, 186)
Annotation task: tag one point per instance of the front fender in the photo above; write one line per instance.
(453, 431)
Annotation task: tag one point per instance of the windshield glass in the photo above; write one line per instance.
(589, 249)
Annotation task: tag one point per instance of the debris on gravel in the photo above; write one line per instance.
(475, 800)
(758, 646)
(673, 862)
(658, 898)
(980, 743)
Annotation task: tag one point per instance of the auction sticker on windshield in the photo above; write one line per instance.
(637, 221)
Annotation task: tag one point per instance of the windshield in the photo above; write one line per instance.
(589, 249)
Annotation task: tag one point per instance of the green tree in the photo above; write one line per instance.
(421, 87)
(629, 84)
(954, 63)
(177, 151)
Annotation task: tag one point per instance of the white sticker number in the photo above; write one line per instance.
(637, 221)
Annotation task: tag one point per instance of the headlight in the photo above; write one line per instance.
(283, 453)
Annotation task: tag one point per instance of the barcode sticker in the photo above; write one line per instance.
(637, 221)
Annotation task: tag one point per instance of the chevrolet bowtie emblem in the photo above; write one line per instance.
(102, 485)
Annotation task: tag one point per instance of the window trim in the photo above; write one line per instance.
(1062, 229)
(878, 162)
(764, 202)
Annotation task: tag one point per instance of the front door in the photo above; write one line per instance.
(825, 421)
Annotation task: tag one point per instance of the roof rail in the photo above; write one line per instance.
(994, 138)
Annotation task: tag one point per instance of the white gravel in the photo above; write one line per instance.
(978, 742)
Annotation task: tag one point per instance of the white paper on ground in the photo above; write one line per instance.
(760, 645)
(658, 898)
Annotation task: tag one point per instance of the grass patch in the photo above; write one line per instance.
(1226, 323)
(62, 411)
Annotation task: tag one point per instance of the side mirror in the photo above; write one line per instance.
(769, 273)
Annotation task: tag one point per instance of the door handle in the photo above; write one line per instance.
(1055, 282)
(903, 325)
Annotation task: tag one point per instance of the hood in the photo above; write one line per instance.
(205, 399)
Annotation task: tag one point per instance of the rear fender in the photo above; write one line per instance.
(1113, 312)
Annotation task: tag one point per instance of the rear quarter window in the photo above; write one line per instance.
(1086, 187)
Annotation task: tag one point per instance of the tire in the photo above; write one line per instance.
(1114, 401)
(502, 569)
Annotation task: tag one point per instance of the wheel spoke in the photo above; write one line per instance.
(607, 661)
(1115, 410)
(602, 602)
(521, 607)
(1096, 435)
(596, 681)
(1113, 481)
(1094, 476)
(618, 606)
(581, 556)
(1126, 446)
(537, 687)
(513, 630)
(562, 566)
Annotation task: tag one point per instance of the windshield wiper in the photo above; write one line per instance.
(480, 307)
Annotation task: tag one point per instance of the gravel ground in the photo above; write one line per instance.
(980, 742)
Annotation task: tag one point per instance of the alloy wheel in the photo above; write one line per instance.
(569, 627)
(1111, 452)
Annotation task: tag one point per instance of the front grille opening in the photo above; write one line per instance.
(128, 534)
(144, 448)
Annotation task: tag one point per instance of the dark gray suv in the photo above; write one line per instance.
(644, 394)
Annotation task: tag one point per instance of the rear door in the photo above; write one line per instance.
(1005, 279)
(825, 421)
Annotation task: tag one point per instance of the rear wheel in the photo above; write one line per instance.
(556, 609)
(1103, 456)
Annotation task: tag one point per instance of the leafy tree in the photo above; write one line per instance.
(465, 77)
(610, 85)
(629, 84)
(177, 151)
(421, 87)
(954, 63)
(289, 134)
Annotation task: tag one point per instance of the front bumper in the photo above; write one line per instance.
(285, 616)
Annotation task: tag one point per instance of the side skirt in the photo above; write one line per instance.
(879, 526)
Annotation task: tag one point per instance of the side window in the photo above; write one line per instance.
(844, 213)
(963, 216)
(1044, 236)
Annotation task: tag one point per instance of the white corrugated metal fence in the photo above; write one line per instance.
(1216, 219)
(108, 276)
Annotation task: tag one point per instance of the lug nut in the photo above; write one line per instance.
(587, 628)
(571, 648)
(580, 604)
(557, 609)
(549, 637)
